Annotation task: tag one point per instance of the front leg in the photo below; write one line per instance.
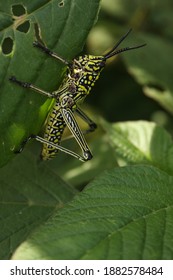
(50, 53)
(54, 94)
(30, 86)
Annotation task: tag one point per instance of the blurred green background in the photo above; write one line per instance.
(117, 95)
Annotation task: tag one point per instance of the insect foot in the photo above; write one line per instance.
(23, 84)
(87, 155)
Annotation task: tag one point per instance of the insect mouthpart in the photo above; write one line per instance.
(102, 62)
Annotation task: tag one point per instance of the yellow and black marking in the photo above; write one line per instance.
(54, 129)
(82, 73)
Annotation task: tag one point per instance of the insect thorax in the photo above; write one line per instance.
(83, 73)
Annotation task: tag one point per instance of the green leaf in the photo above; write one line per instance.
(142, 142)
(63, 27)
(127, 213)
(29, 193)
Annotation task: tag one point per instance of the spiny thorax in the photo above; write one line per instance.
(85, 71)
(90, 63)
(81, 77)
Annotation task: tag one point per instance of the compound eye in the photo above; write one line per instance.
(102, 63)
(77, 75)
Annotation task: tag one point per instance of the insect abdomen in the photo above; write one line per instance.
(54, 129)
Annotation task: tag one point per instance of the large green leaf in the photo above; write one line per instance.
(126, 213)
(63, 27)
(29, 193)
(141, 142)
